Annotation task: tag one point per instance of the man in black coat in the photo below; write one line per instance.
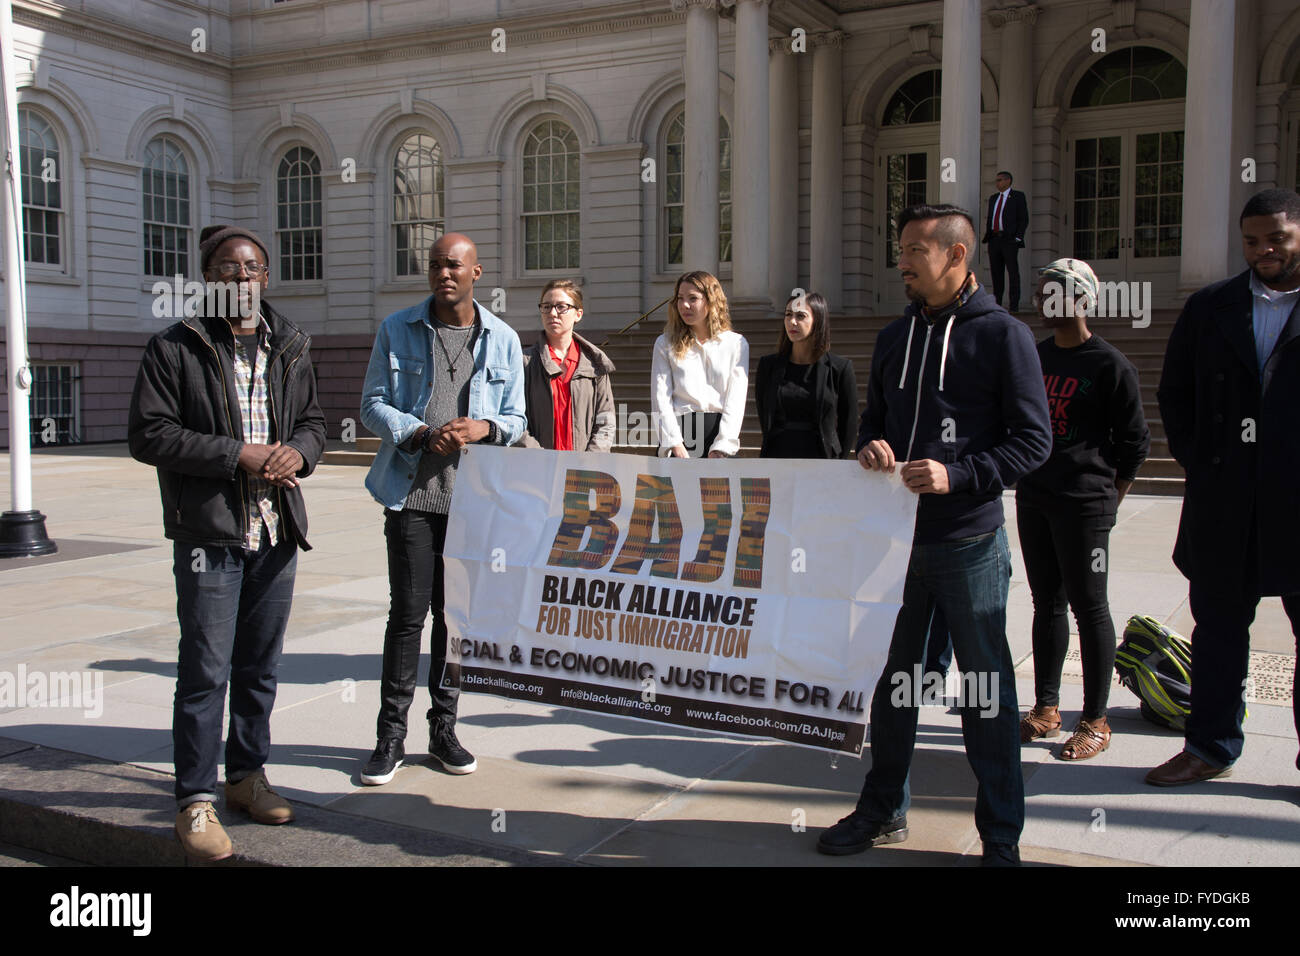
(1004, 231)
(1228, 396)
(225, 407)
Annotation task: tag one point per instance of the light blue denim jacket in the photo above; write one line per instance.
(399, 384)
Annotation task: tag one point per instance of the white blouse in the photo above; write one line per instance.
(713, 377)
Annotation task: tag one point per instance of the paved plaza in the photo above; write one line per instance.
(554, 785)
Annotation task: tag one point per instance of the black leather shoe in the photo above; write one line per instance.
(383, 763)
(857, 832)
(1000, 854)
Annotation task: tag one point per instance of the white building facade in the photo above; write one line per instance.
(616, 143)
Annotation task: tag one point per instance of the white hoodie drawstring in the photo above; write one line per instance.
(943, 361)
(908, 354)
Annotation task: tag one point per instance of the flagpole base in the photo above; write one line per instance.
(22, 535)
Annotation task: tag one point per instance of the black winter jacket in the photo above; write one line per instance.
(185, 420)
(1232, 427)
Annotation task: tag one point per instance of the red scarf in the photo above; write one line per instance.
(562, 398)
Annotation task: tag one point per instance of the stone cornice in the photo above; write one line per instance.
(473, 37)
(112, 35)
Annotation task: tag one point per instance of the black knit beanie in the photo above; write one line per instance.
(213, 236)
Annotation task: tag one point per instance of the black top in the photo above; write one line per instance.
(1099, 434)
(827, 414)
(794, 432)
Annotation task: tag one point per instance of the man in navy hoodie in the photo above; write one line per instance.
(956, 404)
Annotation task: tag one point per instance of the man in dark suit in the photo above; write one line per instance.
(1228, 395)
(1004, 231)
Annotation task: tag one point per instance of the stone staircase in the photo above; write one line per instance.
(853, 337)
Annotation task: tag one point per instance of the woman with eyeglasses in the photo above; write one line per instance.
(1066, 508)
(807, 397)
(570, 405)
(699, 375)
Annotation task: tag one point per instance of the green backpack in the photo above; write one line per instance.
(1155, 663)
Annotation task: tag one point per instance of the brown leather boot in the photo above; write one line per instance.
(1041, 721)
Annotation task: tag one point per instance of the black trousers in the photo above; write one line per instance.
(415, 541)
(1003, 254)
(1066, 558)
(1220, 661)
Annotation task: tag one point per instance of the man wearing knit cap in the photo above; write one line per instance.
(225, 407)
(443, 374)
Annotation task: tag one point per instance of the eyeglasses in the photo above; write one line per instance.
(228, 270)
(560, 308)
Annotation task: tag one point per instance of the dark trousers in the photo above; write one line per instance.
(938, 651)
(1220, 658)
(415, 541)
(968, 580)
(232, 606)
(1003, 253)
(699, 432)
(1066, 559)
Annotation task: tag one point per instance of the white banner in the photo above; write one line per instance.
(748, 596)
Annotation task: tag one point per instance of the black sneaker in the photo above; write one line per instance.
(383, 763)
(857, 832)
(446, 749)
(1000, 854)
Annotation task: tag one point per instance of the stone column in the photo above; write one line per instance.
(959, 125)
(1245, 64)
(827, 169)
(749, 160)
(1207, 145)
(1015, 113)
(700, 179)
(783, 184)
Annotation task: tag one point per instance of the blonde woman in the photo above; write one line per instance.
(570, 405)
(700, 373)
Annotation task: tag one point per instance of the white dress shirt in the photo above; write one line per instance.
(710, 377)
(1269, 316)
(999, 207)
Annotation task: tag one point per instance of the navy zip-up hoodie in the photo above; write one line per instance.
(963, 387)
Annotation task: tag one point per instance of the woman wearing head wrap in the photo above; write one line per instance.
(1066, 508)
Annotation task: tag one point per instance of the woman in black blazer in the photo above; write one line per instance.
(807, 397)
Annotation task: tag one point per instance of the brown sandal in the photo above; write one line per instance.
(1041, 721)
(1090, 738)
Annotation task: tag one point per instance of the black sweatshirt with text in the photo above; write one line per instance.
(1099, 434)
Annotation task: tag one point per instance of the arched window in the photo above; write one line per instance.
(298, 215)
(675, 190)
(42, 195)
(550, 203)
(419, 216)
(166, 189)
(1133, 75)
(916, 101)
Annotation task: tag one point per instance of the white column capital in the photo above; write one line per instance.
(831, 38)
(680, 5)
(1001, 16)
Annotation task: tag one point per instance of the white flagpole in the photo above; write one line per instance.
(22, 530)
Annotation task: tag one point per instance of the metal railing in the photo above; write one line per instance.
(637, 321)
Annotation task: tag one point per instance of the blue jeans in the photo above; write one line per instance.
(968, 581)
(233, 606)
